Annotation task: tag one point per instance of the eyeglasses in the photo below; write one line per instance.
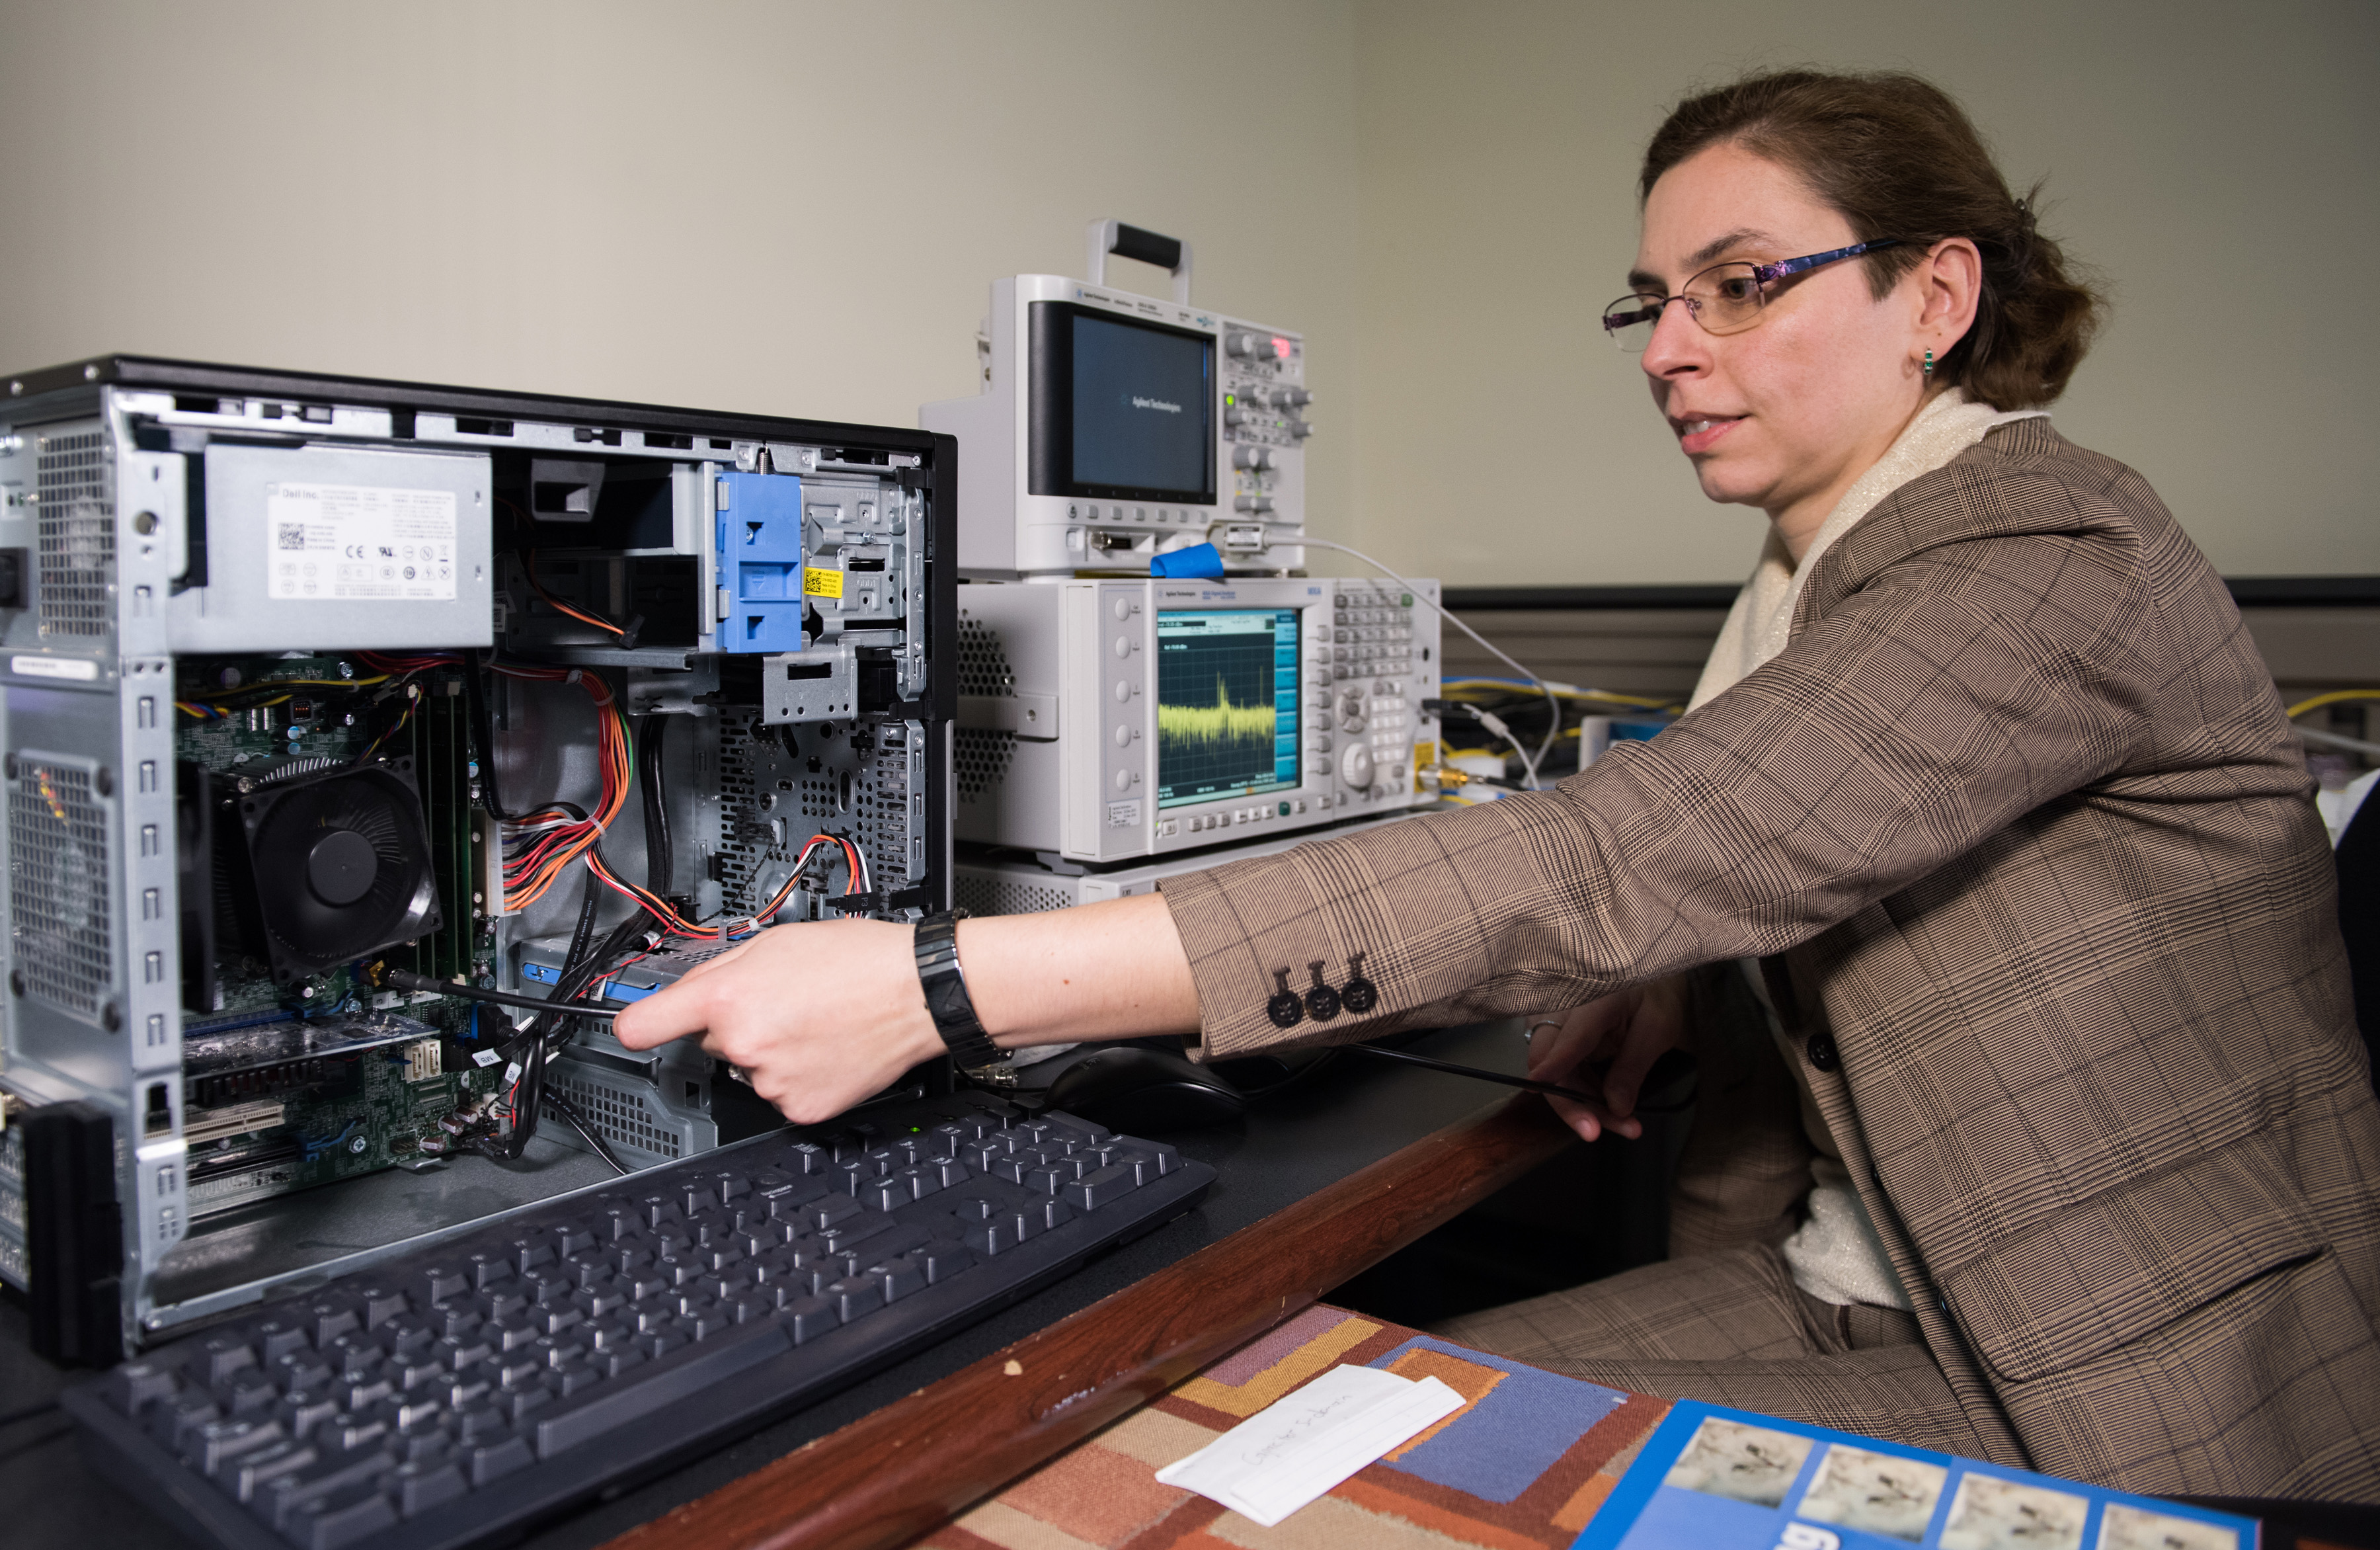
(1725, 298)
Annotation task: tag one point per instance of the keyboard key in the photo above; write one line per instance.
(479, 1422)
(462, 1393)
(438, 1282)
(458, 1320)
(1100, 1188)
(420, 1485)
(855, 1297)
(616, 1224)
(176, 1419)
(677, 1375)
(897, 1278)
(256, 1471)
(382, 1304)
(221, 1444)
(784, 1199)
(330, 1476)
(525, 1401)
(493, 1458)
(136, 1385)
(277, 1337)
(218, 1358)
(341, 1518)
(556, 1352)
(941, 1260)
(303, 1409)
(417, 1411)
(553, 1320)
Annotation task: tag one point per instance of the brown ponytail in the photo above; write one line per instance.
(1897, 157)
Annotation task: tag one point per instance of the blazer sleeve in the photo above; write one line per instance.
(1951, 693)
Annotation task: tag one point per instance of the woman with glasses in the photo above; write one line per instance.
(1982, 874)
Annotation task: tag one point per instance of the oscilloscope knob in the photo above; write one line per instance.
(1355, 766)
(1243, 344)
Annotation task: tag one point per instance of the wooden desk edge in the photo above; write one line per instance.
(906, 1469)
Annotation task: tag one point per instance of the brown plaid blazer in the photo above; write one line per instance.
(2018, 821)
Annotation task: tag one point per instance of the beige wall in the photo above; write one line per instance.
(2216, 160)
(787, 208)
(797, 207)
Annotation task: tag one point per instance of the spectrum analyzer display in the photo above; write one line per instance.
(1226, 703)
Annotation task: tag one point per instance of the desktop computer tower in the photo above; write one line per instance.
(307, 679)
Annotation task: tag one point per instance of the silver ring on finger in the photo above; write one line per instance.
(1542, 1022)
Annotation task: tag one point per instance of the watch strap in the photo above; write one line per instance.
(947, 1001)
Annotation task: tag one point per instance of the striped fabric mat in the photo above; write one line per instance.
(1524, 1463)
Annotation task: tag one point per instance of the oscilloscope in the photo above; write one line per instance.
(1104, 720)
(1111, 428)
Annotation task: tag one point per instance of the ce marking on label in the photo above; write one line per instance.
(354, 551)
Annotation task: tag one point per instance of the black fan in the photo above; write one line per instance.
(340, 866)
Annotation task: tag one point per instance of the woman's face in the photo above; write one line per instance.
(1786, 414)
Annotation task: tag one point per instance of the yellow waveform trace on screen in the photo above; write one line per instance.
(1221, 722)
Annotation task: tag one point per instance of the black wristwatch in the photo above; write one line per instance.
(950, 1007)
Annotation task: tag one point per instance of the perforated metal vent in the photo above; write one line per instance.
(983, 661)
(58, 913)
(619, 1117)
(78, 534)
(987, 893)
(863, 796)
(981, 758)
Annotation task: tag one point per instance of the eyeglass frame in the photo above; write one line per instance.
(1763, 274)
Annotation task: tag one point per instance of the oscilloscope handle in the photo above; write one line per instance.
(1166, 252)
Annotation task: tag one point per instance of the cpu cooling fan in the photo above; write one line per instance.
(339, 864)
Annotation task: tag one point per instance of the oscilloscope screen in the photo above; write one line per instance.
(1226, 703)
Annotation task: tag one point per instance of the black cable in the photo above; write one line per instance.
(401, 980)
(45, 1440)
(483, 733)
(590, 899)
(569, 1111)
(658, 858)
(10, 1418)
(1529, 1083)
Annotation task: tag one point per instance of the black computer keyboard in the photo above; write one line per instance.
(462, 1392)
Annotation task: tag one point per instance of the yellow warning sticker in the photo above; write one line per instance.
(822, 583)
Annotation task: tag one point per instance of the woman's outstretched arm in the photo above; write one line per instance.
(821, 1016)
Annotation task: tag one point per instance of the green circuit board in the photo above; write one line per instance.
(294, 1124)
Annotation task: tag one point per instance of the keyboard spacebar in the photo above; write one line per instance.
(642, 1390)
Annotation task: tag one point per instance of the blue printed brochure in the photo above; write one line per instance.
(1714, 1479)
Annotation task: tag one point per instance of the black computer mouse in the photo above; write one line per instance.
(1142, 1091)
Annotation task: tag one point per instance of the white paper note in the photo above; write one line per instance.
(1298, 1447)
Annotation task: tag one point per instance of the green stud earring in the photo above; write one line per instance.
(1929, 365)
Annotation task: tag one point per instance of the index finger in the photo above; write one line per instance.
(673, 1013)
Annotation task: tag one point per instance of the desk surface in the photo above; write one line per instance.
(1349, 1116)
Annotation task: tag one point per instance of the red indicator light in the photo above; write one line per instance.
(1280, 348)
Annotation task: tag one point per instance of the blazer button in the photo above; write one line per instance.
(1822, 1052)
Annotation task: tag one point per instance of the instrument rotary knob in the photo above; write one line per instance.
(1355, 766)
